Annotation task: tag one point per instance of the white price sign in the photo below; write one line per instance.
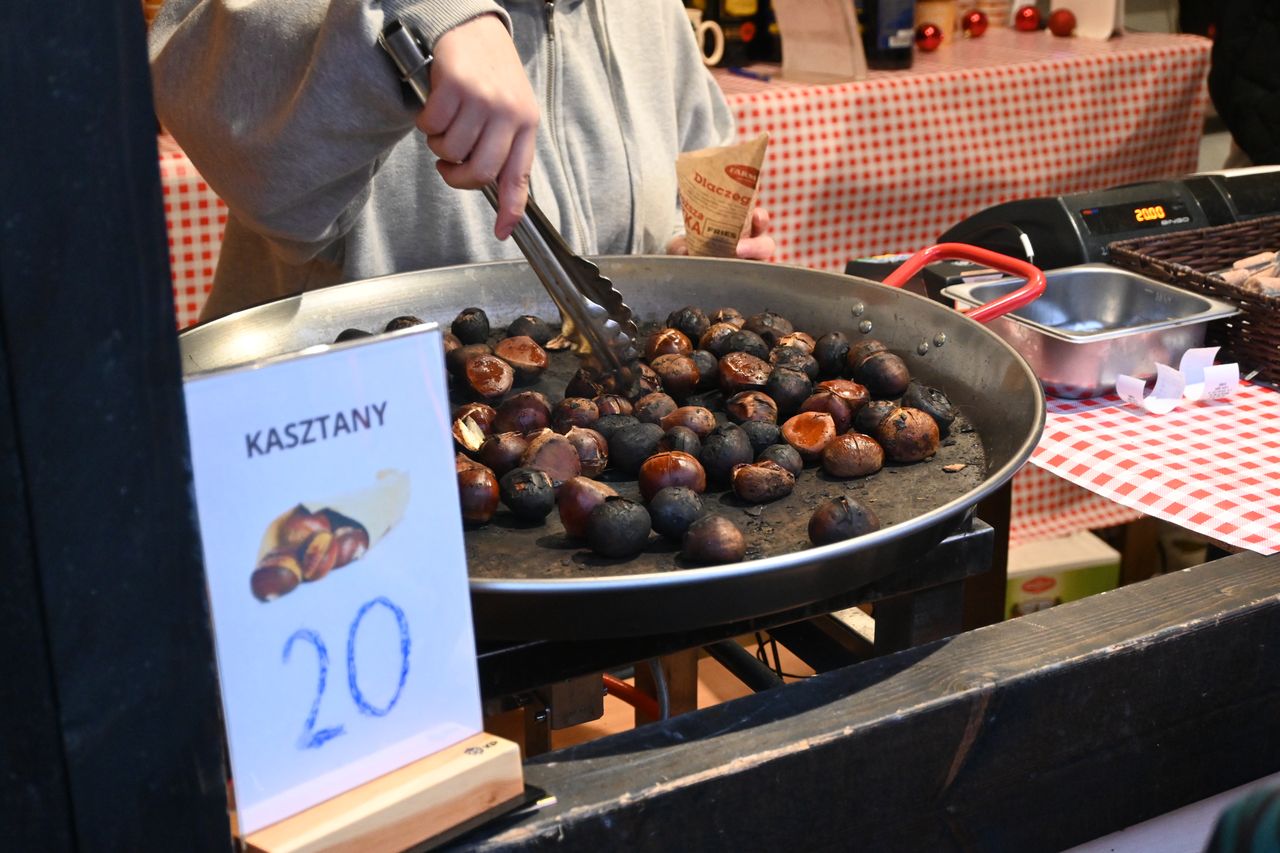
(337, 576)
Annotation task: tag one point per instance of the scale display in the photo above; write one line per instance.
(1135, 216)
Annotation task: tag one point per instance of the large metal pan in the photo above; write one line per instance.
(564, 593)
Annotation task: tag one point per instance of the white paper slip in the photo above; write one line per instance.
(1164, 398)
(1206, 380)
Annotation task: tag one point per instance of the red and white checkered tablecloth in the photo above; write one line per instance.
(195, 218)
(1045, 506)
(888, 163)
(1213, 468)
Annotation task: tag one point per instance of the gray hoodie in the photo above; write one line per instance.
(296, 119)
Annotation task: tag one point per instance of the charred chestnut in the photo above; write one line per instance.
(683, 439)
(525, 356)
(574, 412)
(613, 404)
(583, 384)
(628, 448)
(761, 434)
(471, 326)
(527, 411)
(868, 418)
(724, 449)
(727, 315)
(551, 452)
(852, 455)
(832, 352)
(618, 528)
(788, 388)
(646, 381)
(353, 334)
(761, 482)
(408, 320)
(652, 408)
(932, 402)
(577, 498)
(528, 493)
(840, 519)
(671, 468)
(531, 326)
(502, 451)
(752, 406)
(277, 574)
(667, 342)
(706, 362)
(785, 455)
(809, 433)
(908, 435)
(823, 400)
(863, 350)
(673, 509)
(769, 325)
(713, 540)
(794, 358)
(477, 492)
(593, 450)
(609, 424)
(691, 320)
(748, 342)
(697, 418)
(489, 376)
(885, 375)
(800, 340)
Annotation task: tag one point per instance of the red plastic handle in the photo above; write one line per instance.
(964, 252)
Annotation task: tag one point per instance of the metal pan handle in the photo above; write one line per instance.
(964, 252)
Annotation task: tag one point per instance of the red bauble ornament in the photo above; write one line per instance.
(1027, 19)
(974, 23)
(928, 37)
(1062, 22)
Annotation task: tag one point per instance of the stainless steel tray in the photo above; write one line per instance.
(1095, 321)
(571, 595)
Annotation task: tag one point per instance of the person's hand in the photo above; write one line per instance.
(481, 117)
(756, 246)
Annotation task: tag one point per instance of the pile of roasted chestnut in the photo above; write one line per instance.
(722, 401)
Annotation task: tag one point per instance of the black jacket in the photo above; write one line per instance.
(1244, 80)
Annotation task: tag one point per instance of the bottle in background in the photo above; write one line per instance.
(888, 32)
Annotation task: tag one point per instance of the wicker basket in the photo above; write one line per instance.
(1192, 259)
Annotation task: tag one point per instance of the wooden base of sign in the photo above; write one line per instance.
(409, 806)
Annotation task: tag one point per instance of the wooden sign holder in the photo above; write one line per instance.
(431, 800)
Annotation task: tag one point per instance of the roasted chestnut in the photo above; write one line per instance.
(716, 338)
(456, 360)
(671, 468)
(673, 509)
(405, 322)
(697, 418)
(618, 528)
(823, 400)
(683, 439)
(748, 342)
(667, 342)
(852, 455)
(769, 325)
(840, 519)
(277, 574)
(593, 450)
(863, 350)
(531, 326)
(353, 334)
(761, 482)
(832, 352)
(740, 371)
(761, 434)
(785, 455)
(502, 451)
(652, 408)
(352, 541)
(690, 320)
(794, 358)
(299, 525)
(628, 448)
(679, 374)
(318, 555)
(809, 433)
(713, 540)
(644, 382)
(489, 376)
(575, 501)
(851, 392)
(613, 404)
(908, 435)
(477, 492)
(723, 450)
(527, 411)
(528, 493)
(583, 384)
(468, 434)
(471, 326)
(609, 424)
(525, 356)
(800, 340)
(788, 388)
(884, 373)
(868, 418)
(482, 414)
(932, 402)
(574, 412)
(751, 406)
(706, 362)
(552, 452)
(727, 315)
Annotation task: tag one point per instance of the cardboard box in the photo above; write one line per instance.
(1053, 571)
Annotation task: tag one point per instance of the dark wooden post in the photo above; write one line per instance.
(112, 735)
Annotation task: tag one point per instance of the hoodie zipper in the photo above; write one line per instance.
(574, 217)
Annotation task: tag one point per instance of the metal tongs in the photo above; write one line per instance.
(595, 319)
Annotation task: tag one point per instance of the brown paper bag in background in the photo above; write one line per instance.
(718, 189)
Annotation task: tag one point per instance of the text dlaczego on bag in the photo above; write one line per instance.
(718, 189)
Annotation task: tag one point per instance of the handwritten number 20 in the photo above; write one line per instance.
(313, 739)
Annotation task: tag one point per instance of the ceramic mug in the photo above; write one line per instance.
(700, 30)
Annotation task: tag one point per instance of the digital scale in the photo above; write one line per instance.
(1066, 230)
